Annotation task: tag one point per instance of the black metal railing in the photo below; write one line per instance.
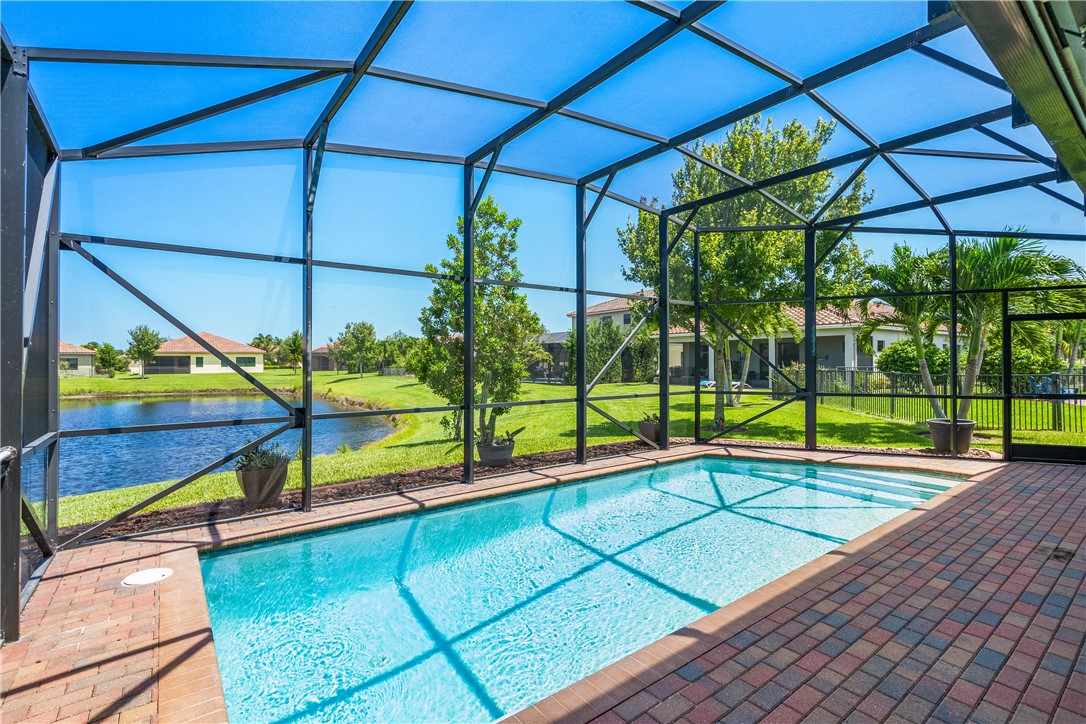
(901, 396)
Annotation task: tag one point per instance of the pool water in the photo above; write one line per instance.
(470, 613)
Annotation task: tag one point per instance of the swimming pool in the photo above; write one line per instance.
(473, 612)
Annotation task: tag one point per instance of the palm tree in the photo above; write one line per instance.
(907, 273)
(1007, 263)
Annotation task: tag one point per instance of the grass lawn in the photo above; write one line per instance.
(419, 440)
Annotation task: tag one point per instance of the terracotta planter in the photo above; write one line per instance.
(495, 456)
(940, 434)
(649, 430)
(262, 486)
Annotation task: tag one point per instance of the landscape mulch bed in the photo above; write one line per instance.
(413, 479)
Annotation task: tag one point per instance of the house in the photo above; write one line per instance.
(75, 361)
(835, 341)
(323, 360)
(185, 356)
(555, 367)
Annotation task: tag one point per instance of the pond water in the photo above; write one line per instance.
(106, 462)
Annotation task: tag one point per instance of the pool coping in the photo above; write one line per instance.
(190, 686)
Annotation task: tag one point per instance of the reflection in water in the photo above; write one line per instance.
(106, 462)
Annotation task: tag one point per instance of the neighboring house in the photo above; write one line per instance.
(185, 356)
(835, 342)
(322, 359)
(75, 361)
(556, 367)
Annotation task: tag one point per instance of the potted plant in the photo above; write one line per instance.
(262, 473)
(649, 427)
(495, 450)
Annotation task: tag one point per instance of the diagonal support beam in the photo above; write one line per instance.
(687, 151)
(646, 44)
(959, 65)
(1023, 149)
(624, 426)
(174, 487)
(159, 309)
(682, 230)
(210, 112)
(748, 345)
(621, 348)
(751, 419)
(36, 263)
(381, 34)
(840, 237)
(599, 200)
(30, 520)
(1079, 205)
(478, 196)
(845, 185)
(946, 198)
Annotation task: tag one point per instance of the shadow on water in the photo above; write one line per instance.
(445, 646)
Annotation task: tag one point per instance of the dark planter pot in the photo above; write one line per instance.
(940, 434)
(262, 486)
(649, 430)
(495, 456)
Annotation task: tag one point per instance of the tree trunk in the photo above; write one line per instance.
(972, 371)
(925, 375)
(483, 428)
(744, 367)
(723, 377)
(1072, 360)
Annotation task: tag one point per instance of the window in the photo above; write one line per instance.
(880, 345)
(71, 363)
(199, 361)
(246, 361)
(626, 318)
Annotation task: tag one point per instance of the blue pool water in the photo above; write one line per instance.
(469, 613)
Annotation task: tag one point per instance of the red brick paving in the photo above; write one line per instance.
(954, 611)
(972, 608)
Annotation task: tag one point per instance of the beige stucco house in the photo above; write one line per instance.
(835, 341)
(75, 361)
(185, 356)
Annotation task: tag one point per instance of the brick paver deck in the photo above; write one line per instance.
(968, 606)
(970, 609)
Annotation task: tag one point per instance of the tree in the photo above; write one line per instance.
(1003, 263)
(108, 359)
(506, 330)
(270, 345)
(908, 273)
(756, 264)
(356, 347)
(602, 339)
(901, 357)
(292, 349)
(395, 349)
(143, 344)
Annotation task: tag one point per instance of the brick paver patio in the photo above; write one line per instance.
(971, 610)
(970, 607)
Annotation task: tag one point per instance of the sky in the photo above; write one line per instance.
(398, 214)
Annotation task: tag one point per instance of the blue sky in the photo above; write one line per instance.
(395, 213)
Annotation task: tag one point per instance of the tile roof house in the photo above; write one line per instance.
(836, 345)
(186, 356)
(75, 361)
(322, 359)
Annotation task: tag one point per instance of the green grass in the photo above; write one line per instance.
(418, 440)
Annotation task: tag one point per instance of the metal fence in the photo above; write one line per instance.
(898, 399)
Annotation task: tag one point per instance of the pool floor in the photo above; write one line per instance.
(473, 612)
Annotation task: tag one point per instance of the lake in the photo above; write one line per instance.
(106, 462)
